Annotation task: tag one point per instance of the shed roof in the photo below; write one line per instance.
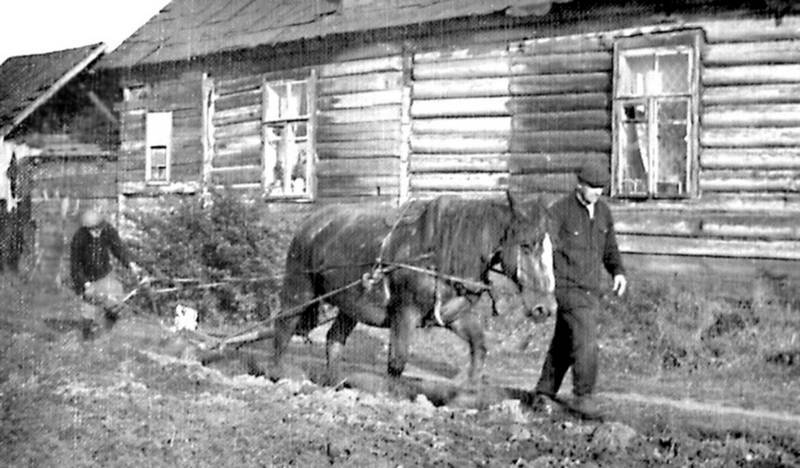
(28, 81)
(192, 28)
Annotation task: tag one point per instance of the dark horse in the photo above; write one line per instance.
(425, 263)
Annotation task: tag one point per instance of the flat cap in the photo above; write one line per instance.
(594, 174)
(91, 218)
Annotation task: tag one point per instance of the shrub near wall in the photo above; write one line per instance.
(193, 247)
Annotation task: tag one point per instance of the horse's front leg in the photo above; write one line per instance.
(335, 340)
(467, 325)
(403, 318)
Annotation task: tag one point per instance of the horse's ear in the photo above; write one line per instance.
(512, 202)
(515, 205)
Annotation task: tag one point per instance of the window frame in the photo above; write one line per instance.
(270, 120)
(164, 142)
(684, 41)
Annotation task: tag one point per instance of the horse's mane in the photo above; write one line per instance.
(462, 233)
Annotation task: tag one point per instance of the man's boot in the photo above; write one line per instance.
(585, 406)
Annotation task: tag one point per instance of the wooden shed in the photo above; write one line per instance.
(59, 137)
(694, 105)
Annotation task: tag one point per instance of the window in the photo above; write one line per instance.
(288, 165)
(655, 116)
(158, 129)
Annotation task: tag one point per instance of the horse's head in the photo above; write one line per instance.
(526, 256)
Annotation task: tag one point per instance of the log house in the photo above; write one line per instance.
(695, 107)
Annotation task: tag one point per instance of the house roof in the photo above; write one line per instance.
(192, 28)
(28, 81)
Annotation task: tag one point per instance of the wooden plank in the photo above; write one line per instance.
(747, 180)
(752, 115)
(562, 44)
(458, 181)
(457, 144)
(772, 93)
(534, 183)
(461, 88)
(419, 194)
(242, 99)
(236, 130)
(354, 186)
(742, 202)
(237, 115)
(751, 74)
(359, 167)
(706, 224)
(558, 103)
(561, 63)
(360, 83)
(360, 100)
(560, 83)
(373, 114)
(381, 130)
(750, 137)
(447, 163)
(561, 141)
(241, 84)
(360, 67)
(239, 157)
(654, 222)
(526, 163)
(358, 149)
(460, 107)
(232, 145)
(189, 172)
(751, 29)
(471, 125)
(744, 53)
(572, 120)
(785, 229)
(667, 245)
(750, 158)
(474, 68)
(462, 52)
(240, 175)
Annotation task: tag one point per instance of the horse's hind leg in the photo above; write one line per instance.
(297, 290)
(402, 321)
(337, 335)
(469, 328)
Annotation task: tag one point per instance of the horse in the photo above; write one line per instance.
(424, 263)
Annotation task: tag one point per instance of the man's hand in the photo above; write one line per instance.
(620, 284)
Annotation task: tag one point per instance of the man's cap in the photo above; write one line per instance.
(594, 174)
(91, 218)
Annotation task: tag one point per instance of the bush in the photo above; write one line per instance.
(190, 246)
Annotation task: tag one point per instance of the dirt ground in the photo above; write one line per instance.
(138, 396)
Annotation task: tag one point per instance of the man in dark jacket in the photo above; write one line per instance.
(90, 266)
(586, 243)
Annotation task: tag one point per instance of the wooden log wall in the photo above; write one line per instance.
(525, 115)
(561, 110)
(359, 128)
(183, 96)
(522, 115)
(236, 147)
(460, 121)
(750, 122)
